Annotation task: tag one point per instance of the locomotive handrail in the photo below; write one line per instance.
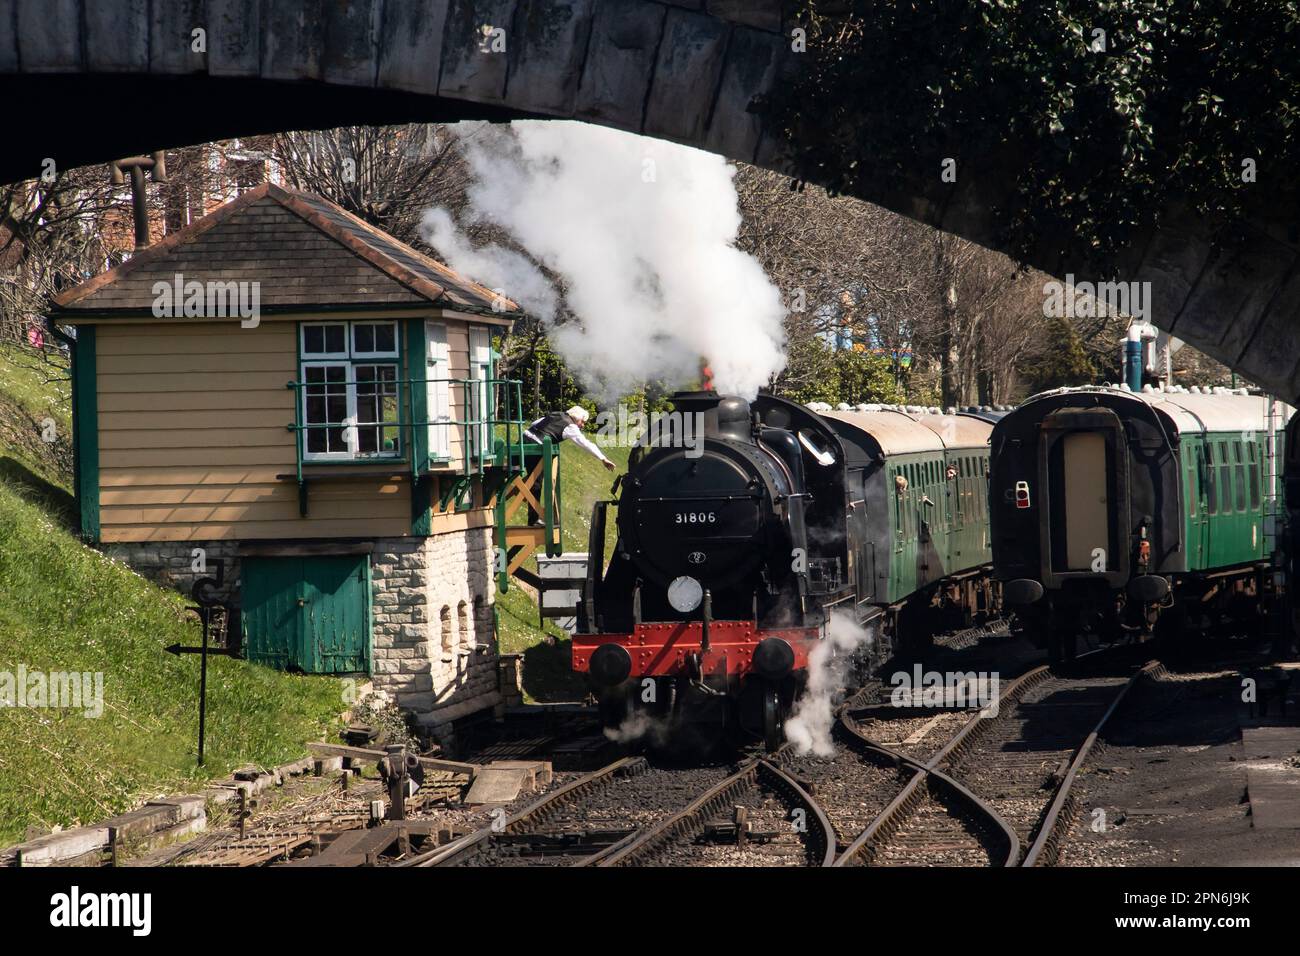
(749, 497)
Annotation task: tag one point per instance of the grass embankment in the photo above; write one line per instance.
(547, 674)
(64, 607)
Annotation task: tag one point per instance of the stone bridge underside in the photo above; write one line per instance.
(88, 80)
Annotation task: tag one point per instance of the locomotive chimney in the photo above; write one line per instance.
(725, 416)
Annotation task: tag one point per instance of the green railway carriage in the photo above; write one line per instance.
(918, 493)
(1113, 511)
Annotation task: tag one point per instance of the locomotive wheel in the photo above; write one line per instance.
(773, 720)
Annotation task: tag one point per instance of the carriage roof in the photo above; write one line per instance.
(900, 432)
(1221, 410)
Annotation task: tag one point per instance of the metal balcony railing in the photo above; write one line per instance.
(489, 406)
(524, 490)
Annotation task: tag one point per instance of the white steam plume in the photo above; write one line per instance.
(809, 728)
(642, 235)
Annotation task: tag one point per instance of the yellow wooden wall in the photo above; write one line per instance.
(192, 436)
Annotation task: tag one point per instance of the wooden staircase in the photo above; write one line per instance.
(527, 509)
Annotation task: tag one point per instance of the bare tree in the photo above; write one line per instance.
(386, 175)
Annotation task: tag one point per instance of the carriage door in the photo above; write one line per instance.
(1083, 472)
(1087, 517)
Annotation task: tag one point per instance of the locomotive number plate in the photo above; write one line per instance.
(696, 517)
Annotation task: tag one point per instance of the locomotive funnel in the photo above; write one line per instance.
(724, 416)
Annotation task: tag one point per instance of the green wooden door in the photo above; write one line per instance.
(309, 614)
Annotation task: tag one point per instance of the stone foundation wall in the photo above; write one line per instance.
(433, 647)
(171, 564)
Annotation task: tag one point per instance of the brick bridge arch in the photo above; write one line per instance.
(681, 70)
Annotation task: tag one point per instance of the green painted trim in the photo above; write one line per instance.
(416, 364)
(85, 432)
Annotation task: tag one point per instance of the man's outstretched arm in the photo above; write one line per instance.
(574, 434)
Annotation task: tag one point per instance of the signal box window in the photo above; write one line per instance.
(350, 396)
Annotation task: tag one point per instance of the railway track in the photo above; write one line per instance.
(579, 821)
(1000, 791)
(997, 792)
(761, 814)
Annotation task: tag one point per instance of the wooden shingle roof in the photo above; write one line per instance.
(305, 252)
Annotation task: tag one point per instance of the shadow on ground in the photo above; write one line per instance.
(548, 674)
(55, 500)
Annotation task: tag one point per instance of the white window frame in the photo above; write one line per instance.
(352, 326)
(306, 356)
(349, 361)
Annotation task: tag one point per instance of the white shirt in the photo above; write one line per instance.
(574, 434)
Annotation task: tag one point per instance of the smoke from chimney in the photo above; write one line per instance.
(641, 234)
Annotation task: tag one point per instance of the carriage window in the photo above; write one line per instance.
(1192, 491)
(1253, 455)
(1239, 479)
(1225, 477)
(1205, 462)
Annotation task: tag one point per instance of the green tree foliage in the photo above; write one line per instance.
(846, 375)
(1063, 362)
(1103, 114)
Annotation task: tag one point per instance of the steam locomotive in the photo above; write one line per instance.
(1126, 515)
(743, 527)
